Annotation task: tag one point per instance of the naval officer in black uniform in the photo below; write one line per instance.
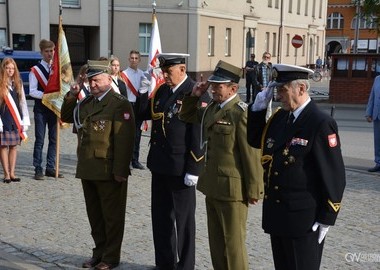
(304, 173)
(175, 160)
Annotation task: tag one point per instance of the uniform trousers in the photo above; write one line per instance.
(105, 204)
(138, 123)
(302, 253)
(376, 133)
(226, 222)
(173, 221)
(249, 84)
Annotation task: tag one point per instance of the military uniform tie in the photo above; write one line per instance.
(290, 120)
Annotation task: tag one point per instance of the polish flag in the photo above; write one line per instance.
(153, 64)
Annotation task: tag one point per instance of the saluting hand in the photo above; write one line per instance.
(253, 201)
(200, 88)
(119, 178)
(74, 88)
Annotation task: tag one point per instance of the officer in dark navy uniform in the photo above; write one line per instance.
(175, 160)
(304, 173)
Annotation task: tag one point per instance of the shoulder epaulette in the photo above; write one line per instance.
(242, 105)
(118, 96)
(86, 99)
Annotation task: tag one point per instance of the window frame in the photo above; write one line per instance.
(145, 37)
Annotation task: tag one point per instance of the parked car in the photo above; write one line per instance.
(24, 60)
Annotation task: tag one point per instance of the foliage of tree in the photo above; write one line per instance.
(371, 8)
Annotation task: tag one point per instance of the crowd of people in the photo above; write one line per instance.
(203, 137)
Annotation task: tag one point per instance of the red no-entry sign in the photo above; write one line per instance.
(297, 41)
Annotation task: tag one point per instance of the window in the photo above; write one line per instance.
(227, 42)
(274, 47)
(299, 7)
(335, 21)
(306, 7)
(276, 3)
(211, 41)
(303, 46)
(287, 44)
(317, 46)
(2, 1)
(267, 37)
(22, 42)
(313, 9)
(71, 3)
(364, 23)
(290, 6)
(269, 3)
(320, 8)
(3, 37)
(145, 30)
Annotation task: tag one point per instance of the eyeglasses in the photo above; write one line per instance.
(267, 56)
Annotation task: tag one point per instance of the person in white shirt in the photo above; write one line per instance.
(43, 116)
(133, 77)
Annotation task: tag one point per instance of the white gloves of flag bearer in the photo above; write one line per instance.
(144, 85)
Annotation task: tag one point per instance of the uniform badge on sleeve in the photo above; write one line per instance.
(126, 116)
(333, 141)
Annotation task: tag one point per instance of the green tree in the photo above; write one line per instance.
(371, 9)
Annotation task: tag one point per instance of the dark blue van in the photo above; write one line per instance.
(24, 60)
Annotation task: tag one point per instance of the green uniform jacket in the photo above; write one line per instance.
(232, 171)
(106, 138)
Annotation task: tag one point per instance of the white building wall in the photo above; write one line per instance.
(183, 27)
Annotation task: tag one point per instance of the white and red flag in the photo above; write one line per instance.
(153, 64)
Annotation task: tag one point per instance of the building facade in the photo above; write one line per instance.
(209, 30)
(345, 33)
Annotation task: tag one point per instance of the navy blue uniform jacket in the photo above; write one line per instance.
(174, 144)
(304, 174)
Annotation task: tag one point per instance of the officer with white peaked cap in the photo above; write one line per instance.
(304, 174)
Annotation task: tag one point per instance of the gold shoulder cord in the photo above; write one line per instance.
(156, 116)
(267, 158)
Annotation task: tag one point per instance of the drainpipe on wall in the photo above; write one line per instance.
(280, 32)
(8, 27)
(112, 25)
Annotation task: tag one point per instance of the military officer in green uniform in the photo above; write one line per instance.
(232, 176)
(105, 124)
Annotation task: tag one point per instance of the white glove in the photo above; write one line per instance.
(25, 128)
(263, 98)
(323, 229)
(144, 85)
(190, 180)
(1, 129)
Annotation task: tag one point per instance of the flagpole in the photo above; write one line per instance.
(58, 120)
(154, 7)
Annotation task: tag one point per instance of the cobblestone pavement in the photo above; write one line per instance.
(44, 223)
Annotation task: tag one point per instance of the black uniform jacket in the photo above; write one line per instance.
(174, 144)
(304, 174)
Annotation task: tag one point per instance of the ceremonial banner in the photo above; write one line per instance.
(153, 64)
(61, 74)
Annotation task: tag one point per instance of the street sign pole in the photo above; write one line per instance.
(297, 42)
